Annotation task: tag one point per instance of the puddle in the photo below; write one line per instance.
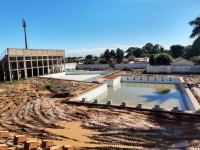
(73, 130)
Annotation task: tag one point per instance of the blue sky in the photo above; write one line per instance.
(84, 27)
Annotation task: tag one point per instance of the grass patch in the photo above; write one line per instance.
(10, 82)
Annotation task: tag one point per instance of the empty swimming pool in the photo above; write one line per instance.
(147, 94)
(79, 75)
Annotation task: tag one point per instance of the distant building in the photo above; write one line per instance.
(125, 61)
(142, 60)
(182, 62)
(22, 63)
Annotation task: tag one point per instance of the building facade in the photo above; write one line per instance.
(22, 63)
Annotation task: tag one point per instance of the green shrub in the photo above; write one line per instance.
(196, 60)
(163, 59)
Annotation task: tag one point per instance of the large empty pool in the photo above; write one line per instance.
(147, 94)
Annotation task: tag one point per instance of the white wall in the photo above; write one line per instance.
(92, 66)
(70, 66)
(90, 95)
(173, 69)
(116, 66)
(113, 82)
(131, 66)
(145, 79)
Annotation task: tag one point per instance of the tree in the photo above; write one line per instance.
(187, 52)
(163, 59)
(131, 50)
(157, 49)
(148, 47)
(107, 55)
(177, 51)
(137, 52)
(71, 59)
(196, 60)
(88, 59)
(196, 30)
(119, 55)
(112, 53)
(195, 33)
(152, 59)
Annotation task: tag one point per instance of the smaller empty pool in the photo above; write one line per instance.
(79, 75)
(147, 94)
(83, 77)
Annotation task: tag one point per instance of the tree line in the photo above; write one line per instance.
(157, 53)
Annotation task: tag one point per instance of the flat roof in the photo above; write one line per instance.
(34, 52)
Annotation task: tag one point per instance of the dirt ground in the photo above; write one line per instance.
(38, 107)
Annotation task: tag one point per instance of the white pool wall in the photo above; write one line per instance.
(114, 81)
(117, 80)
(143, 79)
(191, 101)
(90, 95)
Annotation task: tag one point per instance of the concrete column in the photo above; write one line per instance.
(38, 68)
(60, 66)
(57, 64)
(42, 66)
(25, 70)
(4, 73)
(31, 66)
(17, 69)
(9, 69)
(48, 64)
(64, 62)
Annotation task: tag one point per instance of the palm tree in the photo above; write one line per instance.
(196, 31)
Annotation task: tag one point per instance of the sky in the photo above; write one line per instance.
(84, 27)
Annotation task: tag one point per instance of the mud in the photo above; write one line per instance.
(31, 108)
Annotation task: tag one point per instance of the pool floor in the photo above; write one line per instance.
(85, 77)
(147, 94)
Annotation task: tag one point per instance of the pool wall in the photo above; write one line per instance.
(143, 79)
(93, 93)
(191, 101)
(114, 81)
(117, 80)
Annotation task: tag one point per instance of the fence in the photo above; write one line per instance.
(116, 66)
(174, 69)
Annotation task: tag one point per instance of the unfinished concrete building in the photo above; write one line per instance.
(16, 64)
